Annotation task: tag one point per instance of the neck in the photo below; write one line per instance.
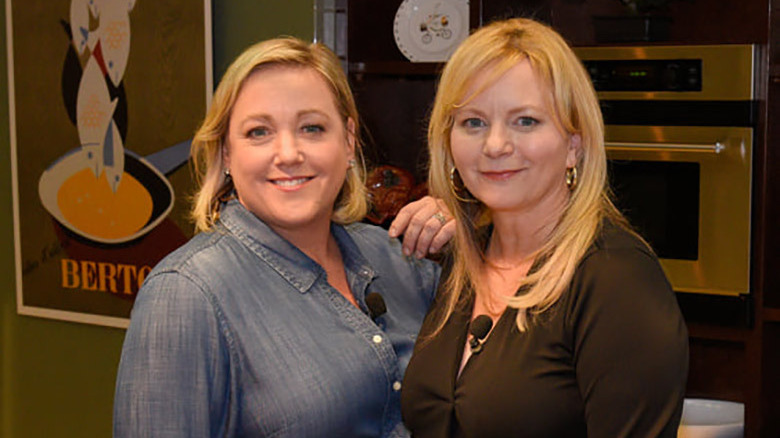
(314, 240)
(518, 236)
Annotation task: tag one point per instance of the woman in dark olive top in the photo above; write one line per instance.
(587, 338)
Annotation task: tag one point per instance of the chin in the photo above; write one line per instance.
(495, 201)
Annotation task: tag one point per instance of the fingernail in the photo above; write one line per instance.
(419, 254)
(391, 232)
(407, 251)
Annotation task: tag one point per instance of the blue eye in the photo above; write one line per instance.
(257, 132)
(473, 122)
(527, 121)
(313, 129)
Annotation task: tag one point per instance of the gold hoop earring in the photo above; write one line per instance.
(455, 189)
(571, 178)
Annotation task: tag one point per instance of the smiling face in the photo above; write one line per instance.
(288, 148)
(507, 146)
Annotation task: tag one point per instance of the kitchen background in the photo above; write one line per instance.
(57, 378)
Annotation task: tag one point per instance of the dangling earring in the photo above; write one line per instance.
(455, 189)
(571, 178)
(351, 163)
(227, 173)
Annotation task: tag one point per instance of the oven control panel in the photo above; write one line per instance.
(680, 73)
(645, 75)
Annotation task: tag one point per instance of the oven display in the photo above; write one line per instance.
(645, 75)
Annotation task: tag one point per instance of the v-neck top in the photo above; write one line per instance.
(609, 359)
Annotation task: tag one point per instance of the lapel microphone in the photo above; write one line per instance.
(479, 328)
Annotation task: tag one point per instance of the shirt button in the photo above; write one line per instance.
(377, 339)
(396, 386)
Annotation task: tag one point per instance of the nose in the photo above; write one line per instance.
(287, 150)
(498, 142)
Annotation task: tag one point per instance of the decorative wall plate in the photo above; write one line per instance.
(430, 30)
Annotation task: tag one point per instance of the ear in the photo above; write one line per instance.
(575, 150)
(225, 156)
(351, 138)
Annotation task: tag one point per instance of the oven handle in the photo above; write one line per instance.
(662, 147)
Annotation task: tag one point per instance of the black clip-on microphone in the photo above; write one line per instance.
(376, 305)
(479, 328)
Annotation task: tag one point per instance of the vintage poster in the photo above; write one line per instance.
(104, 98)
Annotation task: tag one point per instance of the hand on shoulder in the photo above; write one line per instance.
(426, 226)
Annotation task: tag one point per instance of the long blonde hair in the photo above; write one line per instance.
(206, 152)
(498, 47)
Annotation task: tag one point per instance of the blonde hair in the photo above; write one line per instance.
(206, 152)
(496, 48)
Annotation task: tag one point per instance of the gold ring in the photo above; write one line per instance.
(440, 217)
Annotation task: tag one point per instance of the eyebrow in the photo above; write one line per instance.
(298, 115)
(516, 109)
(312, 112)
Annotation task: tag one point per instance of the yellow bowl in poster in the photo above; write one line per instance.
(86, 205)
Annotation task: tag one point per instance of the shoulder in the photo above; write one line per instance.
(620, 284)
(185, 274)
(366, 235)
(620, 272)
(375, 244)
(617, 250)
(612, 237)
(385, 256)
(194, 254)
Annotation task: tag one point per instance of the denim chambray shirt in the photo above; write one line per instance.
(238, 333)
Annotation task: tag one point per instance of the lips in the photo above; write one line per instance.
(499, 175)
(291, 182)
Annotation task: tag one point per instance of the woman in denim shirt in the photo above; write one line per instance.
(258, 326)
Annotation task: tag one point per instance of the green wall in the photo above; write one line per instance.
(56, 377)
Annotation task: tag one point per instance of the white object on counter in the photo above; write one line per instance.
(705, 418)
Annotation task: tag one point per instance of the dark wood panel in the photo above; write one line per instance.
(370, 31)
(770, 384)
(717, 370)
(396, 68)
(774, 39)
(771, 314)
(394, 111)
(541, 10)
(771, 201)
(718, 333)
(720, 22)
(693, 21)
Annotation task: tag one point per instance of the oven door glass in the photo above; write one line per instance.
(661, 200)
(687, 191)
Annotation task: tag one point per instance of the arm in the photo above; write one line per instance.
(173, 375)
(426, 225)
(630, 346)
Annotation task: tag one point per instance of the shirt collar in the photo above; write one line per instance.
(285, 258)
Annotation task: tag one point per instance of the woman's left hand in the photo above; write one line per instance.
(426, 225)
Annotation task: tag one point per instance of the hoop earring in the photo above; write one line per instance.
(455, 189)
(571, 178)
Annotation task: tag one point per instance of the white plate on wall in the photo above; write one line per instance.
(430, 30)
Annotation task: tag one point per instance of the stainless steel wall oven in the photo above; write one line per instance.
(679, 137)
